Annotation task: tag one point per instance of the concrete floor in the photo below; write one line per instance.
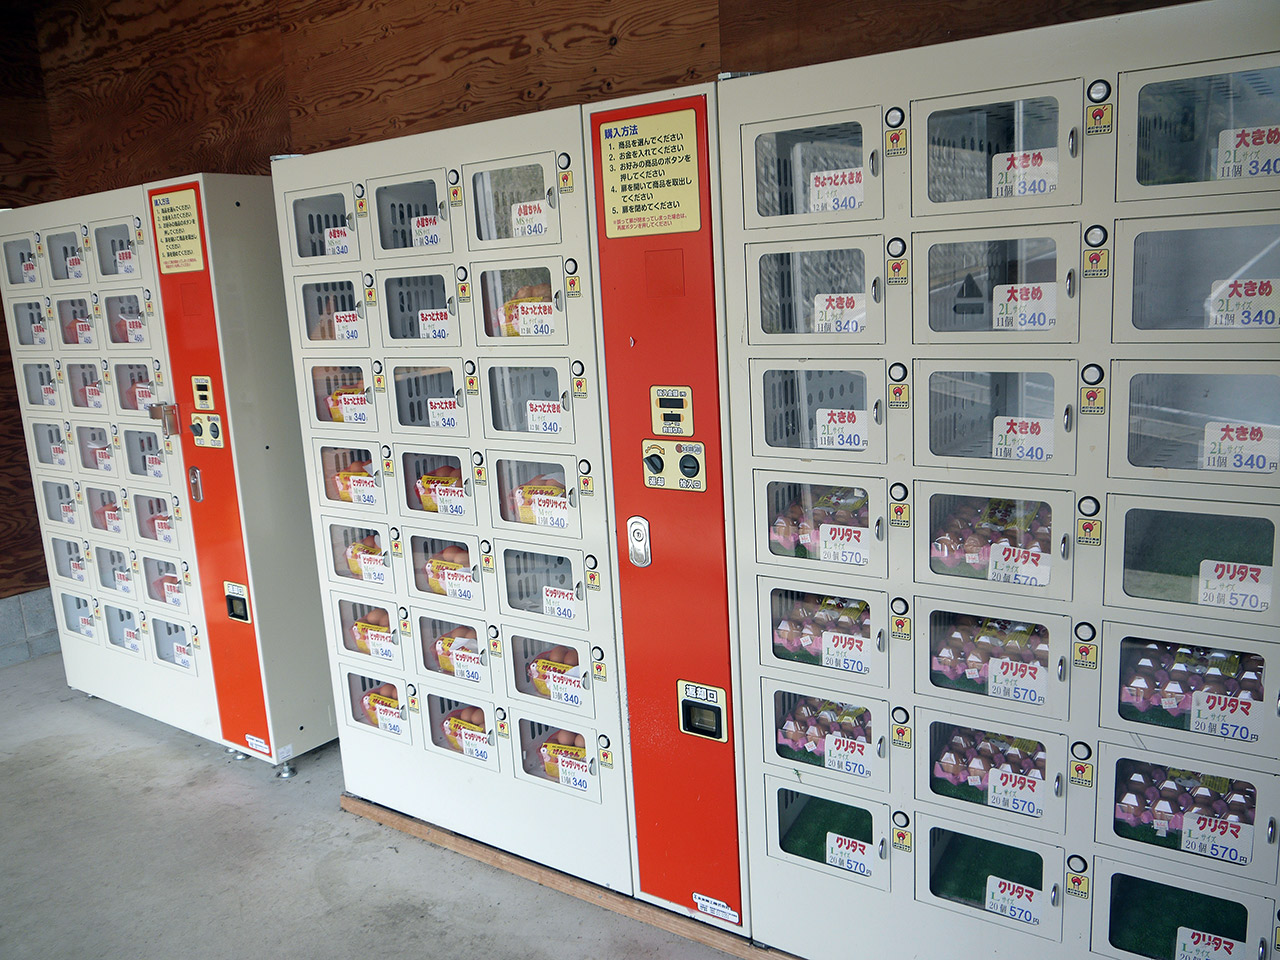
(124, 838)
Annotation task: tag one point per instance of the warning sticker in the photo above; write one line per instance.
(177, 223)
(650, 173)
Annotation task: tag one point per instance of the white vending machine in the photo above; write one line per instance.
(444, 343)
(148, 345)
(1005, 384)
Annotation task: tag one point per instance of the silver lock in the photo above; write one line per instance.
(638, 542)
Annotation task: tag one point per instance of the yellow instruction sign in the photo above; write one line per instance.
(177, 221)
(650, 173)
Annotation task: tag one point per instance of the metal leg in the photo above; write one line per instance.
(236, 754)
(286, 771)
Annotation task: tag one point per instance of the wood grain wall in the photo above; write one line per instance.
(98, 94)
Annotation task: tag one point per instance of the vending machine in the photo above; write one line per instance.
(152, 368)
(441, 310)
(1004, 383)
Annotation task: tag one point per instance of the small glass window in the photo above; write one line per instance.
(818, 522)
(1209, 278)
(1200, 421)
(807, 727)
(961, 866)
(989, 656)
(512, 203)
(358, 554)
(320, 225)
(366, 628)
(329, 310)
(819, 292)
(122, 628)
(408, 215)
(340, 396)
(821, 630)
(38, 378)
(28, 321)
(988, 768)
(815, 169)
(444, 567)
(348, 474)
(171, 643)
(433, 483)
(20, 262)
(543, 584)
(1190, 558)
(376, 703)
(74, 323)
(518, 303)
(551, 670)
(78, 615)
(994, 150)
(990, 538)
(450, 648)
(133, 386)
(116, 256)
(1223, 126)
(417, 307)
(820, 830)
(104, 510)
(1145, 916)
(992, 415)
(95, 448)
(459, 727)
(144, 454)
(162, 581)
(527, 400)
(66, 260)
(124, 318)
(427, 397)
(996, 285)
(85, 381)
(533, 492)
(816, 410)
(543, 747)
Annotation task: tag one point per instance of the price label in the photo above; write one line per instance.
(474, 744)
(1027, 173)
(840, 429)
(529, 219)
(133, 330)
(1014, 680)
(68, 513)
(1218, 715)
(1244, 304)
(1026, 568)
(388, 714)
(130, 640)
(93, 396)
(1196, 945)
(337, 242)
(545, 416)
(1243, 586)
(1024, 306)
(433, 324)
(111, 519)
(843, 651)
(466, 664)
(1022, 438)
(561, 604)
(29, 271)
(1226, 840)
(164, 530)
(846, 853)
(443, 413)
(364, 491)
(182, 656)
(1014, 901)
(382, 644)
(125, 263)
(840, 543)
(173, 593)
(1241, 447)
(573, 772)
(84, 332)
(373, 567)
(549, 511)
(154, 465)
(346, 325)
(1016, 793)
(426, 231)
(142, 395)
(123, 582)
(535, 319)
(564, 689)
(85, 625)
(58, 454)
(76, 568)
(102, 458)
(846, 755)
(1248, 152)
(39, 334)
(49, 395)
(75, 267)
(457, 583)
(450, 500)
(831, 190)
(353, 407)
(839, 313)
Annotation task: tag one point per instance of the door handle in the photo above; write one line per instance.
(193, 480)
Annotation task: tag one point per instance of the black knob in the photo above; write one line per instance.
(689, 465)
(214, 431)
(654, 462)
(196, 429)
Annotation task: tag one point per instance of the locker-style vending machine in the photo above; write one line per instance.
(148, 345)
(440, 302)
(1005, 385)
